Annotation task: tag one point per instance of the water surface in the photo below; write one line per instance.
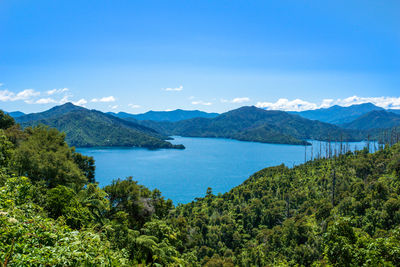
(183, 175)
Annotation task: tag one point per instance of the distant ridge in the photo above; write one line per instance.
(88, 128)
(15, 114)
(255, 124)
(338, 114)
(377, 119)
(174, 115)
(54, 111)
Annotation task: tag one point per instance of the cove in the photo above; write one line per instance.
(183, 175)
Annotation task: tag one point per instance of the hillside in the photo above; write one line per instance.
(343, 211)
(378, 119)
(55, 111)
(254, 124)
(87, 128)
(338, 114)
(174, 115)
(16, 114)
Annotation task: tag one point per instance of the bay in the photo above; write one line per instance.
(183, 175)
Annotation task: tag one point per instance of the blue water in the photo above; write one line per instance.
(183, 175)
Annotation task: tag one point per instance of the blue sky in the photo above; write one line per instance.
(135, 56)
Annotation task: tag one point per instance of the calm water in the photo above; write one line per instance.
(182, 175)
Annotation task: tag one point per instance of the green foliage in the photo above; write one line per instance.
(6, 121)
(46, 156)
(86, 164)
(343, 211)
(283, 216)
(28, 238)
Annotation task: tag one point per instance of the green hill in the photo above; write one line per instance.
(254, 124)
(173, 115)
(378, 119)
(338, 114)
(87, 128)
(55, 111)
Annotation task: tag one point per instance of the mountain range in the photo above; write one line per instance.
(250, 123)
(84, 127)
(377, 119)
(341, 115)
(87, 128)
(174, 115)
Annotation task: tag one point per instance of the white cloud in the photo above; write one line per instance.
(104, 99)
(45, 101)
(240, 100)
(1, 84)
(134, 106)
(57, 91)
(301, 105)
(6, 95)
(80, 102)
(113, 107)
(201, 103)
(285, 104)
(237, 100)
(26, 94)
(176, 89)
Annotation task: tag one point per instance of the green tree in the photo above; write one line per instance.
(46, 156)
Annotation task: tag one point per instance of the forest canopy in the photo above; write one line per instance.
(338, 211)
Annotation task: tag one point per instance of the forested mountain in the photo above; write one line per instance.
(16, 114)
(174, 115)
(395, 111)
(86, 128)
(338, 114)
(55, 111)
(342, 211)
(255, 124)
(378, 119)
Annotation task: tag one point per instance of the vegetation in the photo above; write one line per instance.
(87, 128)
(337, 211)
(254, 124)
(375, 120)
(173, 115)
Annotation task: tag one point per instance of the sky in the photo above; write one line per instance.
(135, 56)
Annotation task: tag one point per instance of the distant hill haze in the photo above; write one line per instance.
(87, 128)
(15, 114)
(338, 114)
(255, 124)
(377, 119)
(174, 115)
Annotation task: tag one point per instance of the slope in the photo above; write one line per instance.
(174, 115)
(254, 124)
(338, 114)
(378, 119)
(87, 128)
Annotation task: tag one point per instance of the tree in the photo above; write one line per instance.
(6, 121)
(45, 155)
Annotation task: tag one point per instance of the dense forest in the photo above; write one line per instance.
(343, 210)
